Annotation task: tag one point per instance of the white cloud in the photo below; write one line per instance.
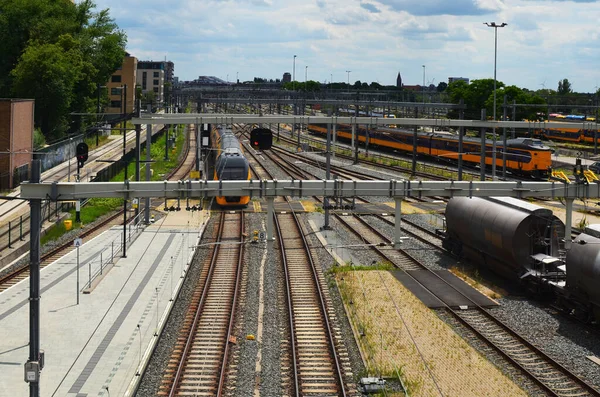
(544, 40)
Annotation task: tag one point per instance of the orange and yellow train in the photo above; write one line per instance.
(230, 164)
(524, 156)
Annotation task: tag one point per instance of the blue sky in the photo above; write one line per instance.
(545, 40)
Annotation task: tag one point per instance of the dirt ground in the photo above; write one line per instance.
(402, 336)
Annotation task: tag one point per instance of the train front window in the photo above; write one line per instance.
(537, 143)
(234, 174)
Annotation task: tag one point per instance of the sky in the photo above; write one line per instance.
(545, 40)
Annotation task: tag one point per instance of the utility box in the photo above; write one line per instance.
(16, 138)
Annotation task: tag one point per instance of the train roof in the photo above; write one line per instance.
(522, 205)
(516, 142)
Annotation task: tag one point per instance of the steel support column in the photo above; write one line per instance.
(148, 169)
(34, 285)
(327, 176)
(398, 222)
(483, 148)
(270, 221)
(568, 223)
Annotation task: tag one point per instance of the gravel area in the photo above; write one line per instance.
(563, 339)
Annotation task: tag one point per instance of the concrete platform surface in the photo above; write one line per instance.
(96, 347)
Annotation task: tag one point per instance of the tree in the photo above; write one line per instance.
(48, 73)
(564, 87)
(475, 96)
(92, 49)
(441, 87)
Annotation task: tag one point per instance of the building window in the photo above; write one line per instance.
(144, 75)
(144, 85)
(116, 78)
(156, 89)
(115, 104)
(155, 74)
(155, 82)
(115, 91)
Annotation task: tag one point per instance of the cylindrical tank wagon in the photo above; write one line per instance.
(504, 234)
(583, 274)
(526, 242)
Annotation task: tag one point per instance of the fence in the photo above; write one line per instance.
(113, 249)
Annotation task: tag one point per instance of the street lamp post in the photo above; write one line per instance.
(348, 71)
(305, 76)
(495, 26)
(423, 84)
(294, 75)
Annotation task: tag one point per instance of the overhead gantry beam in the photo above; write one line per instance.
(220, 118)
(67, 191)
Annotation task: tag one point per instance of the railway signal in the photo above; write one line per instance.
(81, 154)
(261, 138)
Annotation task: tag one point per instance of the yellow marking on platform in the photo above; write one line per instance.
(257, 206)
(309, 206)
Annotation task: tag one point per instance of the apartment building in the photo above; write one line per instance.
(152, 76)
(121, 86)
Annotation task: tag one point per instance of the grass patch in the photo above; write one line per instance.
(98, 207)
(350, 268)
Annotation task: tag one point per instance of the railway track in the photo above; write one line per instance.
(314, 362)
(316, 368)
(198, 363)
(541, 369)
(20, 273)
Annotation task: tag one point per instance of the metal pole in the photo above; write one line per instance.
(398, 222)
(568, 223)
(494, 129)
(148, 158)
(414, 156)
(125, 219)
(504, 140)
(423, 84)
(77, 292)
(69, 163)
(483, 154)
(294, 75)
(355, 142)
(514, 117)
(97, 114)
(327, 175)
(461, 133)
(138, 132)
(34, 285)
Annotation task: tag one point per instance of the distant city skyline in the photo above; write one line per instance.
(545, 41)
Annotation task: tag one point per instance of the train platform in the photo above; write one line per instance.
(97, 335)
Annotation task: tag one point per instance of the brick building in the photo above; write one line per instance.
(16, 141)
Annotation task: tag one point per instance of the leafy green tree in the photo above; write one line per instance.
(83, 48)
(475, 96)
(49, 73)
(564, 87)
(521, 96)
(24, 21)
(441, 87)
(39, 141)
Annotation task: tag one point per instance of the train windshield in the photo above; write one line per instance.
(234, 174)
(537, 143)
